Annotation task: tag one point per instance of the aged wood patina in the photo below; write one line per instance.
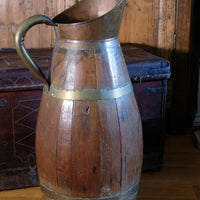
(89, 133)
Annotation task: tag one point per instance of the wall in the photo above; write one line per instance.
(14, 12)
(147, 22)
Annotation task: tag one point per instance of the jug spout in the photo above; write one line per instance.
(90, 20)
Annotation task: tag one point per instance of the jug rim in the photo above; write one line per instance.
(91, 20)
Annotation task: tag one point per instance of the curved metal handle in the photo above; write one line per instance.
(21, 50)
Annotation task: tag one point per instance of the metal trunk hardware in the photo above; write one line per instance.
(89, 134)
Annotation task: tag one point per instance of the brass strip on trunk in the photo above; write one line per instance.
(88, 94)
(129, 194)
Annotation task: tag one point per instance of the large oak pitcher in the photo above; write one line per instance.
(89, 134)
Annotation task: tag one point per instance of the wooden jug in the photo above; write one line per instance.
(89, 134)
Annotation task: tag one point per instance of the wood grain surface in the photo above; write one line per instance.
(89, 148)
(151, 23)
(178, 180)
(12, 14)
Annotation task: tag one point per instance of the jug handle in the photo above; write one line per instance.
(21, 50)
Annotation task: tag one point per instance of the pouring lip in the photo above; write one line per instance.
(91, 20)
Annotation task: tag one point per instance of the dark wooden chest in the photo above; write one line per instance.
(149, 74)
(20, 94)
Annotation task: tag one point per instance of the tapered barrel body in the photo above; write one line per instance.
(89, 135)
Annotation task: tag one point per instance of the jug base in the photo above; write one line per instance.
(130, 194)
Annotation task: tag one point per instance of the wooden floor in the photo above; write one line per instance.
(179, 179)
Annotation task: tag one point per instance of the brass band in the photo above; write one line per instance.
(130, 194)
(89, 94)
(62, 46)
